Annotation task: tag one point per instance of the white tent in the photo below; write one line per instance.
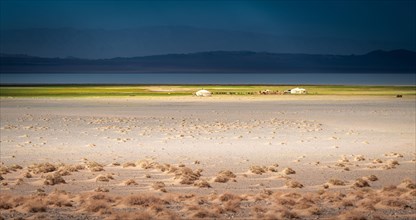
(298, 91)
(203, 93)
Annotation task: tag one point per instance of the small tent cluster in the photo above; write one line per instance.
(298, 91)
(203, 93)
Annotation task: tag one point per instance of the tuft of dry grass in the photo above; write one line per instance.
(393, 154)
(42, 168)
(15, 167)
(273, 168)
(130, 182)
(336, 182)
(202, 184)
(4, 169)
(288, 171)
(99, 206)
(359, 158)
(101, 189)
(94, 166)
(59, 199)
(159, 186)
(360, 182)
(116, 164)
(372, 178)
(394, 202)
(186, 175)
(104, 178)
(145, 164)
(19, 181)
(34, 205)
(224, 176)
(258, 169)
(65, 170)
(129, 164)
(377, 161)
(53, 179)
(293, 184)
(27, 175)
(229, 197)
(135, 215)
(143, 200)
(407, 183)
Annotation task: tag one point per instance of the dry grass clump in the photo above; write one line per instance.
(360, 182)
(377, 161)
(391, 164)
(19, 181)
(197, 212)
(15, 167)
(258, 169)
(186, 175)
(4, 169)
(359, 158)
(353, 215)
(26, 175)
(65, 170)
(293, 184)
(135, 215)
(281, 213)
(34, 205)
(53, 179)
(372, 178)
(42, 168)
(202, 184)
(343, 160)
(393, 154)
(224, 176)
(228, 197)
(273, 168)
(394, 202)
(336, 182)
(232, 206)
(104, 178)
(129, 164)
(130, 182)
(97, 206)
(143, 200)
(94, 166)
(59, 199)
(407, 183)
(1, 178)
(288, 171)
(101, 189)
(5, 201)
(145, 164)
(116, 164)
(159, 186)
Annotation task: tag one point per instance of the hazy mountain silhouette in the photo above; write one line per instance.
(396, 61)
(99, 43)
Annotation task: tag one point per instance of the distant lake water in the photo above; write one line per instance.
(214, 78)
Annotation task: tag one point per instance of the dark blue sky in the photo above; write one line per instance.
(392, 21)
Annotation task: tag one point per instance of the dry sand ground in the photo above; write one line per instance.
(185, 158)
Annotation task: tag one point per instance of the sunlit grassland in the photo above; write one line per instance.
(188, 90)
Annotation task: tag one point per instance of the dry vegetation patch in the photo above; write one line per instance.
(224, 176)
(53, 179)
(288, 171)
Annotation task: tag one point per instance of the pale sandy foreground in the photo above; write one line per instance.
(184, 158)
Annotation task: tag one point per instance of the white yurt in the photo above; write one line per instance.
(203, 93)
(298, 91)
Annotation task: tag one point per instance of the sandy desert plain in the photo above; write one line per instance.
(347, 154)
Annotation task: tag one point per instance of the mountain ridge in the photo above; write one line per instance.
(153, 40)
(378, 61)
